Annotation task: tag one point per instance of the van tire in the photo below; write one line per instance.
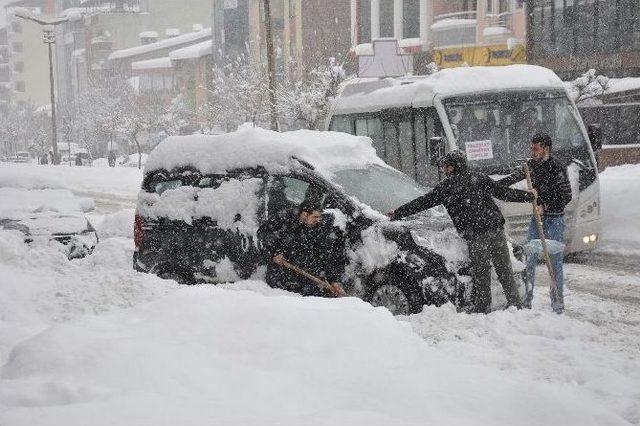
(401, 297)
(178, 275)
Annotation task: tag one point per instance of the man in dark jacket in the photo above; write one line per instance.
(309, 242)
(467, 196)
(549, 178)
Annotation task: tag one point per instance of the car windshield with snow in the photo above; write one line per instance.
(204, 199)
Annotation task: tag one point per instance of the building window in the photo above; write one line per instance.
(365, 22)
(20, 87)
(18, 66)
(17, 47)
(386, 18)
(411, 15)
(16, 27)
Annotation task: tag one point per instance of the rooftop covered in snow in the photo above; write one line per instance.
(374, 94)
(192, 52)
(162, 44)
(149, 64)
(252, 147)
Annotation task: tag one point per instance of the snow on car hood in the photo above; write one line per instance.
(42, 212)
(255, 147)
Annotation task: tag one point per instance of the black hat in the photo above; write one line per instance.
(456, 159)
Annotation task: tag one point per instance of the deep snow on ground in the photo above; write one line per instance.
(620, 199)
(115, 181)
(91, 341)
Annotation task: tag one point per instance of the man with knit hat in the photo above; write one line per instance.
(468, 197)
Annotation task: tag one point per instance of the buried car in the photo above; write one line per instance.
(204, 199)
(48, 214)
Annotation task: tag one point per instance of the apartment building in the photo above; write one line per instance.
(5, 71)
(27, 56)
(307, 32)
(572, 36)
(452, 32)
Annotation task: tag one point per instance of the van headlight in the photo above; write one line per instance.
(590, 239)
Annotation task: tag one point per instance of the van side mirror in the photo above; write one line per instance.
(594, 131)
(436, 149)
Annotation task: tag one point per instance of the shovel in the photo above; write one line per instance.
(545, 247)
(322, 284)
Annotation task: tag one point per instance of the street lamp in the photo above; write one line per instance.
(48, 37)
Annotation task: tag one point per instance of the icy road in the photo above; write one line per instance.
(91, 342)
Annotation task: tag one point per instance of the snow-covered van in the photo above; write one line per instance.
(491, 113)
(204, 198)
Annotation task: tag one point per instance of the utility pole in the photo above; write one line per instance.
(48, 37)
(273, 110)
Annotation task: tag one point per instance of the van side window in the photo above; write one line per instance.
(161, 187)
(286, 193)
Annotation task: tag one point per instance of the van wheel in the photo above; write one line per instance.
(179, 276)
(398, 297)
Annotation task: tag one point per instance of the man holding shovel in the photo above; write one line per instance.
(548, 176)
(306, 256)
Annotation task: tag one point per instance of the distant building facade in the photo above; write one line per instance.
(449, 32)
(27, 56)
(307, 32)
(5, 72)
(571, 36)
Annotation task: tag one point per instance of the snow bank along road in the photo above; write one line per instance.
(93, 342)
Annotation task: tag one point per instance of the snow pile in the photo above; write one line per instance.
(88, 180)
(375, 253)
(531, 345)
(222, 269)
(43, 211)
(251, 147)
(118, 224)
(173, 204)
(206, 355)
(234, 204)
(620, 195)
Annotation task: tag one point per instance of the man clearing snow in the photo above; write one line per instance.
(308, 243)
(549, 178)
(467, 196)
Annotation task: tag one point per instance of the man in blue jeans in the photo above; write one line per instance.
(549, 178)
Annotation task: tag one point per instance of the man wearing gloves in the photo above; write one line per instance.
(468, 198)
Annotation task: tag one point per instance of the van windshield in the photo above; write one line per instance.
(381, 188)
(496, 130)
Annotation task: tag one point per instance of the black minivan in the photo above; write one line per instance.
(198, 221)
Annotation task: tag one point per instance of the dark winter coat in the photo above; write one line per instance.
(319, 250)
(468, 198)
(549, 178)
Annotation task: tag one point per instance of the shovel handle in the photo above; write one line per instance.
(543, 240)
(322, 284)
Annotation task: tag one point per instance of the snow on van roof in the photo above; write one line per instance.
(361, 95)
(252, 146)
